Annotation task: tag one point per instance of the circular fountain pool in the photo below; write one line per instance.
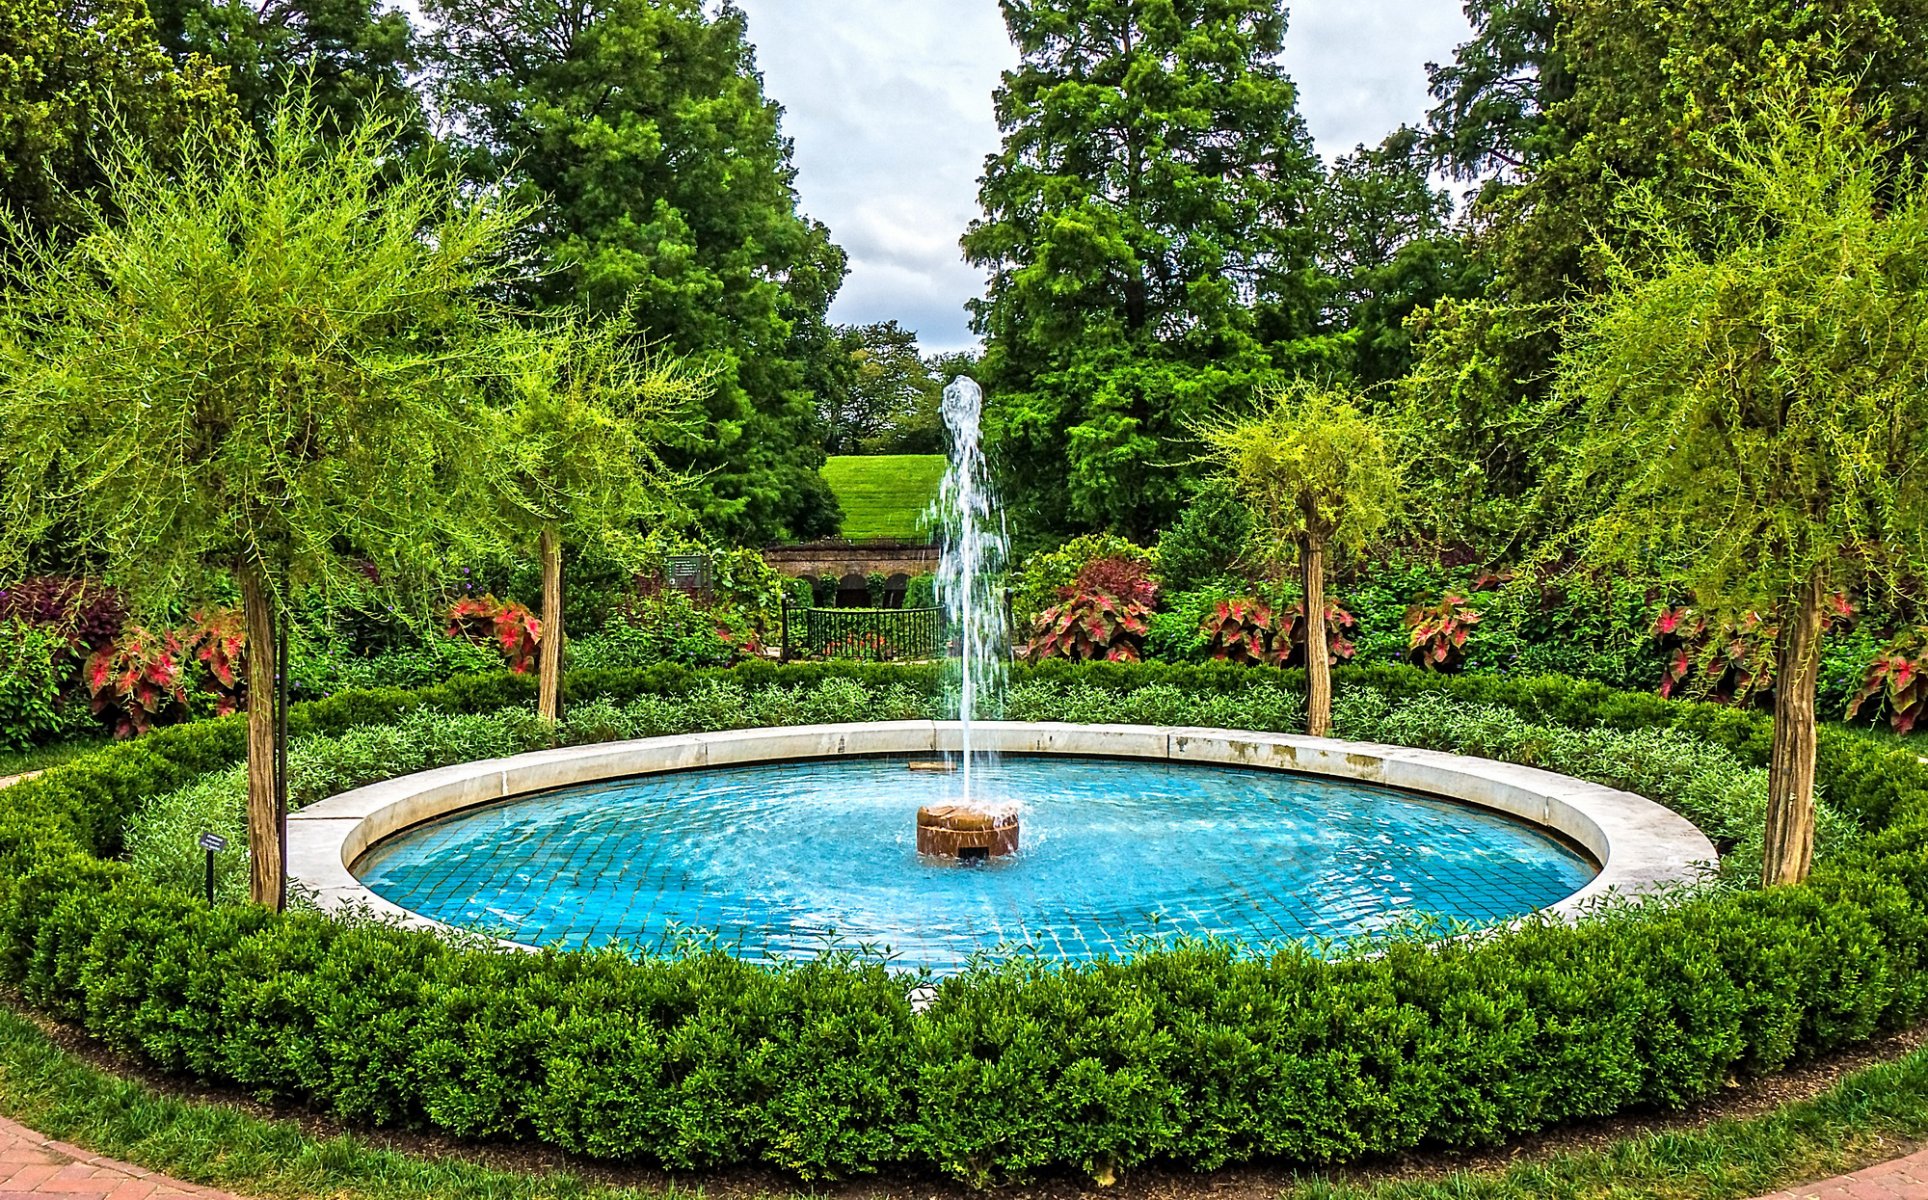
(774, 837)
(778, 858)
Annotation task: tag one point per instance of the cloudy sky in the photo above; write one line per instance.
(889, 102)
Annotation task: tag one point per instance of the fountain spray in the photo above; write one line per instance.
(973, 549)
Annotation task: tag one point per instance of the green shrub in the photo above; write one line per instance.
(35, 668)
(1192, 1055)
(1048, 572)
(1210, 538)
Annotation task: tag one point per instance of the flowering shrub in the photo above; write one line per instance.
(506, 624)
(1437, 636)
(1898, 678)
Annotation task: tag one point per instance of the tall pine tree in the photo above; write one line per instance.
(1144, 230)
(664, 188)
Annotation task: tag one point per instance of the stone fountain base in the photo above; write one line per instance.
(966, 834)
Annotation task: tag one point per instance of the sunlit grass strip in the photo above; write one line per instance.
(1870, 1116)
(885, 496)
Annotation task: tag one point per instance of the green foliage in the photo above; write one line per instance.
(285, 338)
(1897, 681)
(1190, 1055)
(1311, 466)
(665, 628)
(1210, 538)
(1145, 237)
(1048, 572)
(1759, 359)
(70, 74)
(354, 56)
(641, 131)
(35, 669)
(889, 394)
(885, 497)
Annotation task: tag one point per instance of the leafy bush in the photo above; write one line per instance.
(1086, 626)
(1897, 680)
(317, 670)
(508, 625)
(85, 614)
(664, 628)
(1437, 636)
(34, 668)
(1247, 631)
(1207, 542)
(1045, 575)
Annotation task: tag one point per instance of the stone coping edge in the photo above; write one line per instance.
(1641, 846)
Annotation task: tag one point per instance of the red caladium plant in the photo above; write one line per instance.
(1438, 640)
(220, 644)
(1728, 662)
(138, 681)
(1091, 625)
(1898, 677)
(1247, 631)
(507, 625)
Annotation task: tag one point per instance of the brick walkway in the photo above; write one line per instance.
(1903, 1179)
(33, 1168)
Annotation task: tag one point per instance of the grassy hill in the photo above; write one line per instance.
(884, 496)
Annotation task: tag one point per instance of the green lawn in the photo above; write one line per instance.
(884, 496)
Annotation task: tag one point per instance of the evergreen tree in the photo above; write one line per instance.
(1145, 232)
(69, 71)
(347, 56)
(664, 189)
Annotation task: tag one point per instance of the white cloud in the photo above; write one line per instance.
(889, 104)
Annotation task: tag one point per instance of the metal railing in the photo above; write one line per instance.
(865, 634)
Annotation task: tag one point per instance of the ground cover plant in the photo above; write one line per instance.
(884, 497)
(1194, 1055)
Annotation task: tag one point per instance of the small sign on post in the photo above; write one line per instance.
(212, 842)
(688, 572)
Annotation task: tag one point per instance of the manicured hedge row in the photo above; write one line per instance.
(1188, 1055)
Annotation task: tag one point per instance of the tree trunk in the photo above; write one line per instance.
(1789, 851)
(267, 849)
(549, 688)
(1318, 665)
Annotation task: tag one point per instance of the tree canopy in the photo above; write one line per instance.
(663, 185)
(1756, 378)
(74, 74)
(1145, 233)
(263, 369)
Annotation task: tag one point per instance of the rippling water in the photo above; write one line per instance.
(779, 859)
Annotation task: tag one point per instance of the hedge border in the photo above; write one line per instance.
(1190, 1055)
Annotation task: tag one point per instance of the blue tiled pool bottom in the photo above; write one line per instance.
(780, 859)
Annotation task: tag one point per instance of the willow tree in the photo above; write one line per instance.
(576, 452)
(1319, 476)
(262, 368)
(1756, 378)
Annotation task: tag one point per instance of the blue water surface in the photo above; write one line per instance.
(781, 859)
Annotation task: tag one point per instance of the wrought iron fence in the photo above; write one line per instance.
(865, 634)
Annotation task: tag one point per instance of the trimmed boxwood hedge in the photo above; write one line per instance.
(1190, 1055)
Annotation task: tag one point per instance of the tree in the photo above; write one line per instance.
(1385, 247)
(1754, 378)
(1319, 477)
(664, 188)
(265, 369)
(888, 382)
(71, 71)
(577, 454)
(1570, 100)
(1144, 230)
(349, 56)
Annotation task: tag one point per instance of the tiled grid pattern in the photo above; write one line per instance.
(775, 857)
(33, 1167)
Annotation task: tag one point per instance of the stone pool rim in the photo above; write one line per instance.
(1640, 846)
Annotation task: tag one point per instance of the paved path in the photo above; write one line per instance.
(34, 1168)
(1902, 1179)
